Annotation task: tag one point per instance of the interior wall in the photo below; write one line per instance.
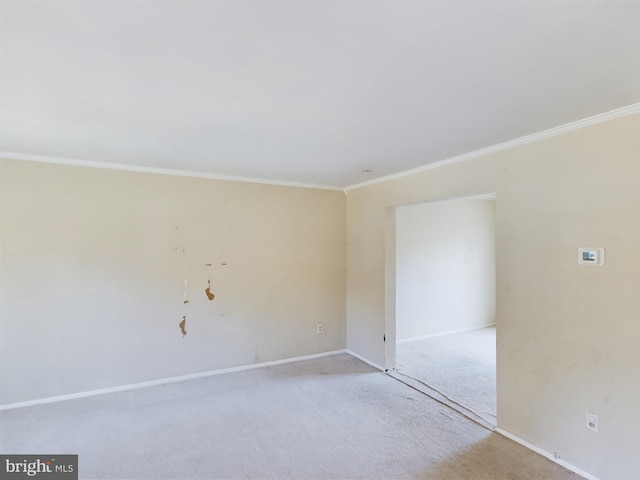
(94, 264)
(566, 334)
(445, 273)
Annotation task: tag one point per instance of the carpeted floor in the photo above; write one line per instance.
(330, 418)
(460, 365)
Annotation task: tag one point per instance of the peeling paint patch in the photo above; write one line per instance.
(185, 302)
(183, 326)
(210, 295)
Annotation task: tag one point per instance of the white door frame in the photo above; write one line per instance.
(390, 273)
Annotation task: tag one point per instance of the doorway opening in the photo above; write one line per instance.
(444, 334)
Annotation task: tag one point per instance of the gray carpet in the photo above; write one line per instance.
(330, 418)
(460, 365)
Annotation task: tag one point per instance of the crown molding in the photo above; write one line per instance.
(28, 157)
(534, 137)
(568, 127)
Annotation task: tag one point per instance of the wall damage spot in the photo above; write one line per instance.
(210, 295)
(185, 302)
(208, 265)
(183, 325)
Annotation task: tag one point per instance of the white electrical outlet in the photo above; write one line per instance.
(592, 421)
(319, 328)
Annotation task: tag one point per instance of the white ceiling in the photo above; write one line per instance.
(310, 91)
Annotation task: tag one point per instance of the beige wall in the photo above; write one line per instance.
(93, 265)
(445, 267)
(567, 334)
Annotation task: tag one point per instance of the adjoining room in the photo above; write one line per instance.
(445, 301)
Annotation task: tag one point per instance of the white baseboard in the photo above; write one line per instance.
(361, 358)
(546, 454)
(164, 381)
(447, 333)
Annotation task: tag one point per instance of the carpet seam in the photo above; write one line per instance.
(441, 393)
(464, 414)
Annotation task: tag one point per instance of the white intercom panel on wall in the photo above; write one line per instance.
(591, 256)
